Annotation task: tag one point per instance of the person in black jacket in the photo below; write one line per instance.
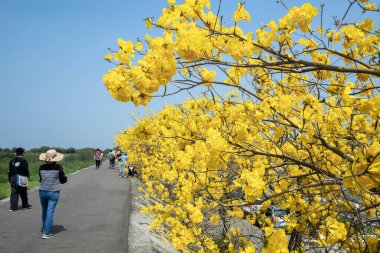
(51, 175)
(18, 165)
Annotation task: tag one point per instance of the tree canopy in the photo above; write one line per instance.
(299, 131)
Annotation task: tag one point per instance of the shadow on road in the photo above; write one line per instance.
(58, 228)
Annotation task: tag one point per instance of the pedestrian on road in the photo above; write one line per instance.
(18, 166)
(98, 155)
(111, 158)
(117, 160)
(123, 170)
(51, 175)
(101, 157)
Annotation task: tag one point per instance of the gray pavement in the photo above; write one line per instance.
(97, 212)
(92, 215)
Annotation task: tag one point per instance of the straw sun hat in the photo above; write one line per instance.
(51, 156)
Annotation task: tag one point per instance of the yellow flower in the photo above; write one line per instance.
(373, 150)
(108, 57)
(237, 212)
(370, 6)
(332, 231)
(241, 14)
(249, 247)
(215, 219)
(196, 215)
(277, 241)
(139, 46)
(148, 24)
(208, 76)
(372, 243)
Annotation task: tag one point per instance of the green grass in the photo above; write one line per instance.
(70, 164)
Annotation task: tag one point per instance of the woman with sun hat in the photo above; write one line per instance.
(51, 175)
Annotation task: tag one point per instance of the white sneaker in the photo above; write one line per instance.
(47, 236)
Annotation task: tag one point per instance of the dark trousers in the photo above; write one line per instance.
(97, 163)
(23, 192)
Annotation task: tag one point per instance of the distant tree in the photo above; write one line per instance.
(43, 149)
(33, 150)
(70, 150)
(60, 150)
(106, 151)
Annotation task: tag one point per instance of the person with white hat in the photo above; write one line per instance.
(51, 175)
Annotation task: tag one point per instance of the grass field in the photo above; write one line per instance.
(70, 163)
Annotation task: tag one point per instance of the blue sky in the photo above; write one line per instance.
(51, 68)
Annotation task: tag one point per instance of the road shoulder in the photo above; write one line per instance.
(140, 238)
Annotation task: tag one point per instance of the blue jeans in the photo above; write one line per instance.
(48, 201)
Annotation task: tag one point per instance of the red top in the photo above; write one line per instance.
(98, 155)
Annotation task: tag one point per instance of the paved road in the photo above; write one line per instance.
(91, 216)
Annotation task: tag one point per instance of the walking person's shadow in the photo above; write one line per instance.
(58, 228)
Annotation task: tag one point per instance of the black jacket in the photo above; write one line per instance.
(17, 165)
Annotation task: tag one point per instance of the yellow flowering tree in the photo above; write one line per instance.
(299, 132)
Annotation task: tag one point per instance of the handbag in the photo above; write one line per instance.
(22, 180)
